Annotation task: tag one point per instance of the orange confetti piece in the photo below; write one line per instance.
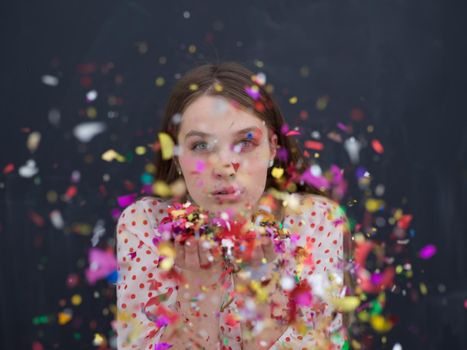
(8, 168)
(71, 192)
(318, 146)
(377, 146)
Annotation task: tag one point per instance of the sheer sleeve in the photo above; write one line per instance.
(141, 290)
(320, 225)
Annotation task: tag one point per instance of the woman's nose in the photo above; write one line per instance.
(224, 170)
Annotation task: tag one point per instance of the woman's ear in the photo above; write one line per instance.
(273, 145)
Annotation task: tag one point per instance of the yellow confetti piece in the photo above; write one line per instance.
(261, 293)
(193, 87)
(140, 150)
(63, 318)
(293, 100)
(380, 324)
(364, 316)
(346, 304)
(192, 48)
(160, 188)
(301, 327)
(166, 249)
(277, 172)
(76, 299)
(150, 168)
(373, 205)
(423, 289)
(398, 214)
(218, 87)
(33, 141)
(167, 145)
(98, 340)
(160, 81)
(166, 264)
(110, 155)
(356, 345)
(91, 112)
(322, 103)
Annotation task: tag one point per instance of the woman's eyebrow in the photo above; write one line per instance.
(201, 133)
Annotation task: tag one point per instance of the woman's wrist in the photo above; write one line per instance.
(200, 315)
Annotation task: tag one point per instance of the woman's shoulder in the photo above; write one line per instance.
(151, 207)
(301, 202)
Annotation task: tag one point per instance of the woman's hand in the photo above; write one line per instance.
(200, 295)
(260, 280)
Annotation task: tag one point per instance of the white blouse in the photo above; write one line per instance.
(317, 225)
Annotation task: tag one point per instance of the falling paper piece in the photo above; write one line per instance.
(50, 80)
(85, 132)
(353, 146)
(167, 145)
(56, 219)
(101, 264)
(34, 139)
(377, 146)
(29, 169)
(124, 201)
(427, 252)
(318, 146)
(111, 155)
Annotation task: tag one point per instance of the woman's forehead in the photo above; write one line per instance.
(210, 114)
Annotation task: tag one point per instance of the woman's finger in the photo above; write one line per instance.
(268, 248)
(179, 254)
(205, 256)
(258, 255)
(191, 253)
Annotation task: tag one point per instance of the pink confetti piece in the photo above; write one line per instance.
(317, 181)
(101, 264)
(253, 93)
(200, 166)
(124, 201)
(342, 126)
(162, 346)
(427, 252)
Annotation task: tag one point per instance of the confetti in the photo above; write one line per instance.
(427, 252)
(85, 132)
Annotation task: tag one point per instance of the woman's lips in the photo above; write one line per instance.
(231, 195)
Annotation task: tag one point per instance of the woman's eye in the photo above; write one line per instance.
(199, 146)
(245, 143)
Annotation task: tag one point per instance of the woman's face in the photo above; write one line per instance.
(224, 153)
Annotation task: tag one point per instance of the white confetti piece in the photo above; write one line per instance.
(85, 132)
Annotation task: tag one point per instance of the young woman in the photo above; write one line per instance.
(234, 158)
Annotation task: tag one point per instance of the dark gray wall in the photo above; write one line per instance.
(401, 62)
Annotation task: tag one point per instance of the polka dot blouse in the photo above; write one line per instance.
(317, 226)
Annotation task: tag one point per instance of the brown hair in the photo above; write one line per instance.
(230, 80)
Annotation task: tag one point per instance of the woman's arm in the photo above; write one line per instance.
(139, 285)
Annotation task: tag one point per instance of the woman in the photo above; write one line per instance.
(234, 158)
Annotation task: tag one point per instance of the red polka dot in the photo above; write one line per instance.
(321, 228)
(145, 222)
